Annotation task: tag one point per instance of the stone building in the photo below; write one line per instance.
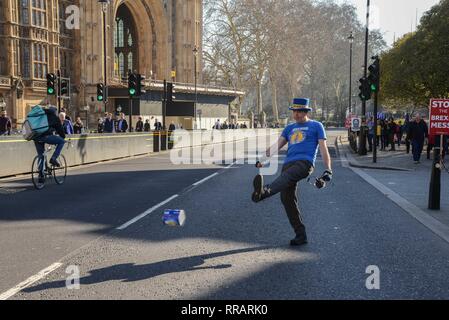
(152, 37)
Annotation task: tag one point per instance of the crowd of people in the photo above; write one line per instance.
(119, 124)
(412, 133)
(225, 125)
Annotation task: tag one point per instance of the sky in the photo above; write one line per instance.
(393, 17)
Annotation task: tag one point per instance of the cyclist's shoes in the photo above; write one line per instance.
(41, 179)
(55, 163)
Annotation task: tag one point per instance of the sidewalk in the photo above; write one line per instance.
(396, 171)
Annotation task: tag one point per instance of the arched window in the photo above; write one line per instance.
(124, 41)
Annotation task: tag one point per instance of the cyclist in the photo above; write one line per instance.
(49, 137)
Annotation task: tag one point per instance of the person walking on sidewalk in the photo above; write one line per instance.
(303, 138)
(370, 133)
(391, 134)
(417, 133)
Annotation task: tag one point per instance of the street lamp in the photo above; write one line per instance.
(195, 55)
(351, 41)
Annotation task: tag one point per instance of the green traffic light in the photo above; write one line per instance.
(51, 91)
(373, 88)
(100, 98)
(132, 91)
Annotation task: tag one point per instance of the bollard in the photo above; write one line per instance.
(156, 141)
(435, 179)
(164, 140)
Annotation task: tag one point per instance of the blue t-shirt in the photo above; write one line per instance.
(303, 140)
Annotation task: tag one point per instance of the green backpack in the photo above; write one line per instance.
(36, 123)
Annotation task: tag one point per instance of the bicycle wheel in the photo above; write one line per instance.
(60, 173)
(35, 175)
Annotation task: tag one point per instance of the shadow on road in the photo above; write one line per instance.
(129, 272)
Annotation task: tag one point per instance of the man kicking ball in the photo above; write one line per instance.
(303, 138)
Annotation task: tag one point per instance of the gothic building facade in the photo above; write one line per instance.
(156, 38)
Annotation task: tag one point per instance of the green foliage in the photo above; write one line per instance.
(416, 69)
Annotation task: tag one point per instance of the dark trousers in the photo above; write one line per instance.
(287, 184)
(40, 148)
(391, 141)
(370, 141)
(417, 147)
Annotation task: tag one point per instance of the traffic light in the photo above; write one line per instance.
(51, 84)
(170, 92)
(65, 84)
(100, 92)
(132, 84)
(374, 75)
(140, 85)
(365, 90)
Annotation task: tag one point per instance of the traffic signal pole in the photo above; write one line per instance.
(164, 104)
(59, 91)
(363, 133)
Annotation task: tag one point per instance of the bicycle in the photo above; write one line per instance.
(59, 174)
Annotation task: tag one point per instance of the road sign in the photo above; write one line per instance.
(439, 117)
(355, 124)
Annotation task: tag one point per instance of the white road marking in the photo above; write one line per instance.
(143, 215)
(205, 179)
(28, 282)
(231, 165)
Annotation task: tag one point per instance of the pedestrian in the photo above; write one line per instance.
(417, 133)
(5, 124)
(379, 133)
(78, 127)
(405, 131)
(109, 124)
(147, 126)
(370, 133)
(303, 138)
(139, 125)
(217, 125)
(122, 124)
(100, 125)
(66, 124)
(399, 133)
(157, 125)
(391, 127)
(384, 135)
(434, 142)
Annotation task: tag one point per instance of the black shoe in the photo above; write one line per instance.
(55, 163)
(258, 188)
(299, 240)
(41, 179)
